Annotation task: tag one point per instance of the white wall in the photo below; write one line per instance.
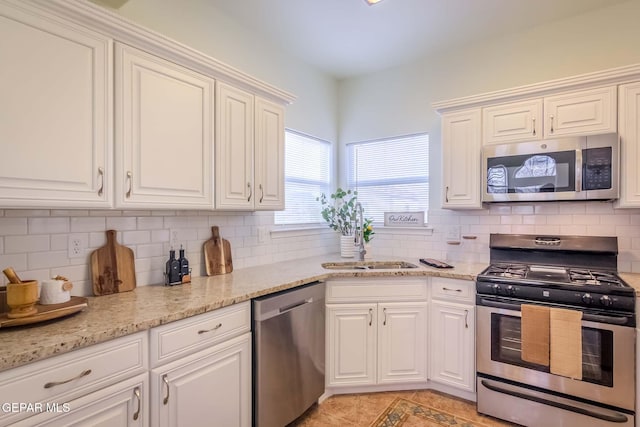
(398, 101)
(198, 24)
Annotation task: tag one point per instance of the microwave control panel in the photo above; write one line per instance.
(596, 168)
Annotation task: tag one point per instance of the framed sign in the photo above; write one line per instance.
(404, 219)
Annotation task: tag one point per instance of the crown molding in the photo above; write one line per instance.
(618, 75)
(120, 29)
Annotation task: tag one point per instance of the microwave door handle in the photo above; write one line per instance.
(578, 170)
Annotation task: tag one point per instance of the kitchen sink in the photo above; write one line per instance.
(368, 265)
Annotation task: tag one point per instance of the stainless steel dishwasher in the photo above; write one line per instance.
(288, 354)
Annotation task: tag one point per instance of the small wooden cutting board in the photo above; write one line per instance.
(112, 267)
(217, 254)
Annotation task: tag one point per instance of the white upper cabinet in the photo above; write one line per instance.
(249, 151)
(586, 112)
(269, 155)
(55, 112)
(515, 121)
(461, 143)
(164, 133)
(234, 148)
(629, 130)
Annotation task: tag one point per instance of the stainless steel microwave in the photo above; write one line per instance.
(575, 168)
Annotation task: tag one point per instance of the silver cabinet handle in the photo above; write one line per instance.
(101, 176)
(578, 170)
(136, 392)
(250, 192)
(166, 382)
(384, 321)
(446, 194)
(456, 290)
(466, 315)
(370, 316)
(55, 383)
(551, 117)
(261, 193)
(534, 126)
(215, 328)
(130, 178)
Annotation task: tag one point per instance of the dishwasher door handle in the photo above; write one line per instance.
(295, 305)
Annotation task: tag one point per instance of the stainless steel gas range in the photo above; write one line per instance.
(545, 303)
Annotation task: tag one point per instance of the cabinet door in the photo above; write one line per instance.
(461, 159)
(234, 148)
(453, 358)
(402, 342)
(269, 155)
(351, 344)
(513, 122)
(211, 387)
(629, 125)
(164, 133)
(55, 113)
(122, 404)
(586, 112)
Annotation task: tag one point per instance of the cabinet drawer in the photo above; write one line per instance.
(178, 339)
(376, 290)
(452, 289)
(68, 376)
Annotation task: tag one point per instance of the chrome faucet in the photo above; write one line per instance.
(359, 240)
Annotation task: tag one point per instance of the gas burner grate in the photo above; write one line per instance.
(588, 277)
(518, 271)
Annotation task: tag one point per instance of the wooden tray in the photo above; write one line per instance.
(46, 312)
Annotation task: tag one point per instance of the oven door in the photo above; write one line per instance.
(608, 358)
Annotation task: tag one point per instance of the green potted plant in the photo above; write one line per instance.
(367, 235)
(339, 211)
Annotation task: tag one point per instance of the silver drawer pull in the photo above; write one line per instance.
(215, 328)
(55, 383)
(166, 382)
(136, 391)
(456, 290)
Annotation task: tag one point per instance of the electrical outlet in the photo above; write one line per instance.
(262, 234)
(77, 245)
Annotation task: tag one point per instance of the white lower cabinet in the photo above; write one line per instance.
(201, 372)
(452, 333)
(105, 384)
(378, 342)
(122, 404)
(211, 387)
(452, 352)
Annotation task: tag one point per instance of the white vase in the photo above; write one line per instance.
(346, 246)
(368, 254)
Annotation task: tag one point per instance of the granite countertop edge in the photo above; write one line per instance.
(113, 316)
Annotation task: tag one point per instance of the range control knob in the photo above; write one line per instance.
(606, 301)
(496, 289)
(511, 290)
(587, 299)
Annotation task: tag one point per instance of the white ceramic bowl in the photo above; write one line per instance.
(52, 292)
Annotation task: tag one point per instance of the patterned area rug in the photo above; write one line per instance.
(405, 412)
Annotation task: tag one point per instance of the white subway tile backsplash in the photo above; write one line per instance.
(546, 208)
(21, 213)
(51, 259)
(81, 224)
(149, 223)
(27, 243)
(136, 237)
(122, 223)
(522, 209)
(13, 226)
(572, 208)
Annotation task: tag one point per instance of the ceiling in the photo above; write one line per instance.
(347, 37)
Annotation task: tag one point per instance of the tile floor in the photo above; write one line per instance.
(360, 410)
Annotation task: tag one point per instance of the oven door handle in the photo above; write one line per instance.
(612, 320)
(613, 417)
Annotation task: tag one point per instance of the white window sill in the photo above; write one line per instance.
(280, 232)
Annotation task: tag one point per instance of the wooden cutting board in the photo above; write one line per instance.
(112, 267)
(217, 254)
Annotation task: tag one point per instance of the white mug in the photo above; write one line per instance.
(54, 292)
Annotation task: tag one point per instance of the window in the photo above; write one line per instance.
(391, 175)
(307, 175)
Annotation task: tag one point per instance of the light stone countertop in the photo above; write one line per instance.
(112, 316)
(633, 279)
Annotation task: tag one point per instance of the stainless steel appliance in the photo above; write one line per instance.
(288, 354)
(571, 272)
(576, 168)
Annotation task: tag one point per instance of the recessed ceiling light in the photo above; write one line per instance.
(372, 2)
